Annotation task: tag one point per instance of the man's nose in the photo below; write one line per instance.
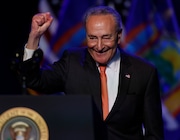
(99, 44)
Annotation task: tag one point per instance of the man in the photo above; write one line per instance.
(133, 86)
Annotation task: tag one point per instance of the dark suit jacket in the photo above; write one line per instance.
(138, 99)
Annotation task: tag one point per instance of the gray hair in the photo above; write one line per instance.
(104, 10)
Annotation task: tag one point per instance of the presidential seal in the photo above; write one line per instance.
(22, 123)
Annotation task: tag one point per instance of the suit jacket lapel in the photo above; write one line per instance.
(94, 80)
(124, 80)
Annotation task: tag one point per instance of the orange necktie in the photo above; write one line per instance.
(104, 92)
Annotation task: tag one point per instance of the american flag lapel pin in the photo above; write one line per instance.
(128, 76)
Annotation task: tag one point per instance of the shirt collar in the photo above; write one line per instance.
(114, 62)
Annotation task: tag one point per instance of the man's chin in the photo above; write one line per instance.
(101, 61)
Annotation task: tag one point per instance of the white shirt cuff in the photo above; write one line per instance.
(28, 53)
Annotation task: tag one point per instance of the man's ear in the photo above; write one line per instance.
(119, 35)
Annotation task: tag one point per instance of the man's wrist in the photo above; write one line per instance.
(28, 53)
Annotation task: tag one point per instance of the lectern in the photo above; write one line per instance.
(49, 117)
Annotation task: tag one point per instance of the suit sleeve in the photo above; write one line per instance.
(153, 123)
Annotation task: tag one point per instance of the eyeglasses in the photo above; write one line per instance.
(104, 39)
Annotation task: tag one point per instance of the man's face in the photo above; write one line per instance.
(102, 37)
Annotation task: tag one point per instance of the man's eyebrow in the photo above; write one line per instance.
(92, 36)
(107, 35)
